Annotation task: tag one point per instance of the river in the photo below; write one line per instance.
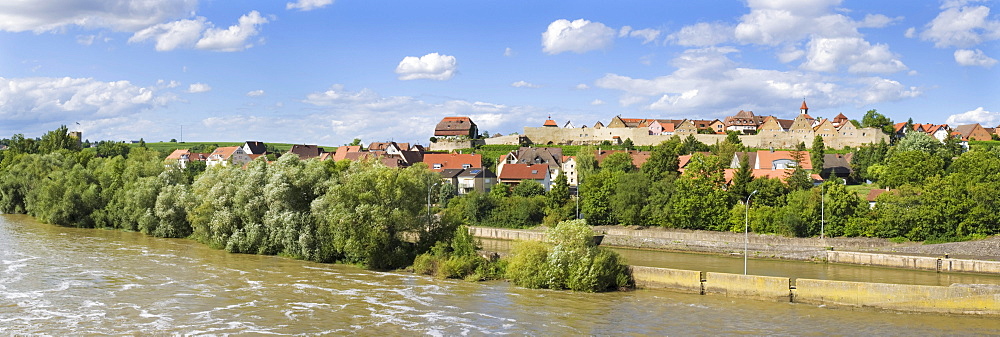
(66, 281)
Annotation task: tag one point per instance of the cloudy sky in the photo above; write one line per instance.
(325, 71)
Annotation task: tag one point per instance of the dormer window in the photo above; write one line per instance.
(465, 166)
(437, 166)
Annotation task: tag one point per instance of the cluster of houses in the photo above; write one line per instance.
(754, 130)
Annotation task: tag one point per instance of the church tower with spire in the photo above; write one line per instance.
(804, 109)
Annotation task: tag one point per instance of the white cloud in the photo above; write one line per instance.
(877, 21)
(834, 42)
(702, 34)
(979, 115)
(199, 88)
(432, 66)
(201, 34)
(707, 82)
(235, 37)
(508, 52)
(256, 93)
(523, 84)
(647, 35)
(42, 99)
(597, 102)
(582, 86)
(961, 26)
(56, 16)
(85, 40)
(172, 35)
(308, 5)
(859, 56)
(578, 36)
(976, 57)
(910, 32)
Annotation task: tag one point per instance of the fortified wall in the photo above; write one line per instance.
(836, 139)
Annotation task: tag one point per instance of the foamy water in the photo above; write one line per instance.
(61, 281)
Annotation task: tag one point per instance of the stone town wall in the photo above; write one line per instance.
(641, 136)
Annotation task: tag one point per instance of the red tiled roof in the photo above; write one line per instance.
(765, 158)
(524, 171)
(804, 106)
(549, 122)
(178, 153)
(342, 151)
(225, 152)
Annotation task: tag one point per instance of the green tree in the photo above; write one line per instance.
(699, 200)
(817, 154)
(692, 145)
(740, 185)
(528, 188)
(631, 195)
(662, 162)
(798, 178)
(910, 167)
(628, 145)
(618, 162)
(110, 149)
(58, 139)
(873, 119)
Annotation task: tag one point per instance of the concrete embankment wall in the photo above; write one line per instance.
(957, 299)
(506, 234)
(938, 264)
(664, 278)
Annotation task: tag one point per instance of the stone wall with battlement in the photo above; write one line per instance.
(641, 136)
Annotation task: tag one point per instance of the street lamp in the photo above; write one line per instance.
(746, 231)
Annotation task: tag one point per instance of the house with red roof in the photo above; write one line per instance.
(456, 126)
(512, 174)
(228, 155)
(181, 157)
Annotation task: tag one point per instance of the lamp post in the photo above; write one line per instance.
(429, 202)
(746, 231)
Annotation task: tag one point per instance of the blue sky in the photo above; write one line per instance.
(324, 71)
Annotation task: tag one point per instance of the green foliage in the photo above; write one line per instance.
(528, 188)
(910, 167)
(662, 162)
(108, 149)
(692, 145)
(868, 156)
(618, 162)
(873, 119)
(58, 139)
(569, 260)
(628, 145)
(817, 153)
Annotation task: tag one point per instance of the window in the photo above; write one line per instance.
(465, 166)
(437, 166)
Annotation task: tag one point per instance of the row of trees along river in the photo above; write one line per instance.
(359, 213)
(350, 212)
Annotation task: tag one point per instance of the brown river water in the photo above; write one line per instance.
(83, 282)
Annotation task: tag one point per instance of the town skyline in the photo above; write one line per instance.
(315, 71)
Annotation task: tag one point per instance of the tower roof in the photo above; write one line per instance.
(804, 106)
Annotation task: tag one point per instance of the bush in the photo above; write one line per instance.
(569, 260)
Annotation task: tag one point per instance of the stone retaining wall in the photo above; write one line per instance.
(956, 299)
